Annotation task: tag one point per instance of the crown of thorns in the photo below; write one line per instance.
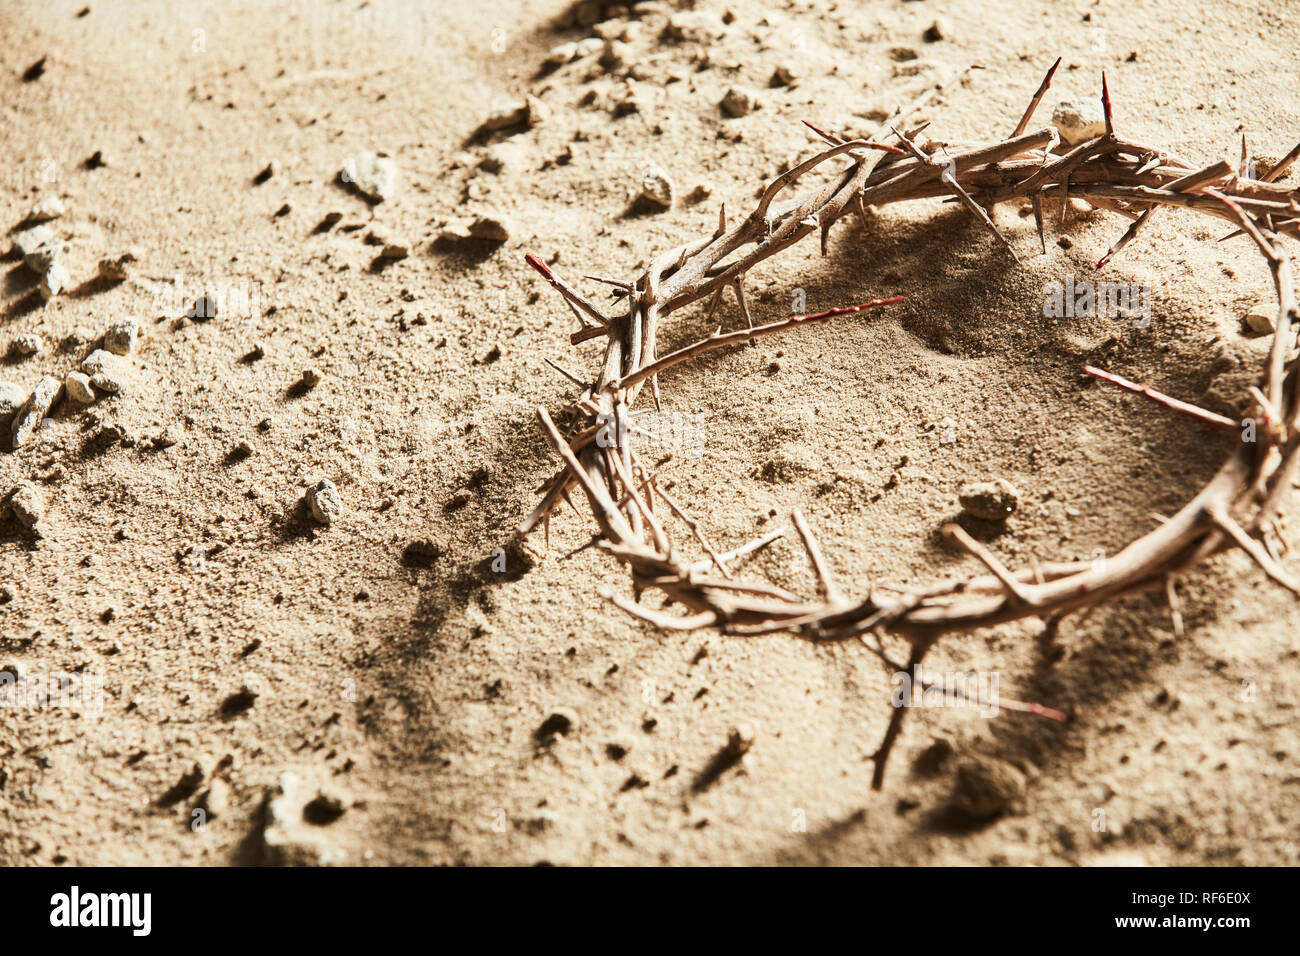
(1238, 508)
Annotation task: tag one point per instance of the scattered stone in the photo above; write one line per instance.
(51, 207)
(785, 75)
(311, 377)
(560, 55)
(39, 247)
(374, 175)
(215, 801)
(560, 722)
(297, 814)
(54, 281)
(986, 787)
(77, 385)
(120, 337)
(738, 102)
(27, 505)
(487, 228)
(393, 252)
(118, 268)
(1078, 120)
(264, 175)
(28, 344)
(1260, 319)
(104, 369)
(99, 360)
(33, 411)
(324, 502)
(936, 31)
(95, 160)
(991, 500)
(35, 71)
(657, 187)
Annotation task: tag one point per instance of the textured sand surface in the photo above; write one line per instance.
(386, 661)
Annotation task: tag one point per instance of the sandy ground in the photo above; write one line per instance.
(383, 690)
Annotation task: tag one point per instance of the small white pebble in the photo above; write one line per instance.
(51, 207)
(55, 280)
(120, 337)
(738, 102)
(1078, 120)
(29, 344)
(656, 187)
(97, 361)
(1260, 319)
(27, 505)
(77, 385)
(324, 502)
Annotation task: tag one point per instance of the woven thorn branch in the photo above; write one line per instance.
(1238, 508)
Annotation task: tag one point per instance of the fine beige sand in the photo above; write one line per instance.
(408, 685)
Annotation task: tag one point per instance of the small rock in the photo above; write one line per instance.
(738, 102)
(29, 241)
(324, 503)
(657, 187)
(99, 360)
(297, 814)
(54, 281)
(785, 75)
(33, 411)
(491, 228)
(560, 55)
(105, 371)
(1260, 319)
(1078, 120)
(505, 116)
(392, 252)
(120, 337)
(51, 207)
(107, 382)
(991, 500)
(311, 377)
(374, 175)
(29, 344)
(986, 787)
(77, 385)
(560, 722)
(27, 505)
(936, 31)
(215, 801)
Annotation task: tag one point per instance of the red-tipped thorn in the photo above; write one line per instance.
(1047, 712)
(539, 265)
(1105, 106)
(829, 137)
